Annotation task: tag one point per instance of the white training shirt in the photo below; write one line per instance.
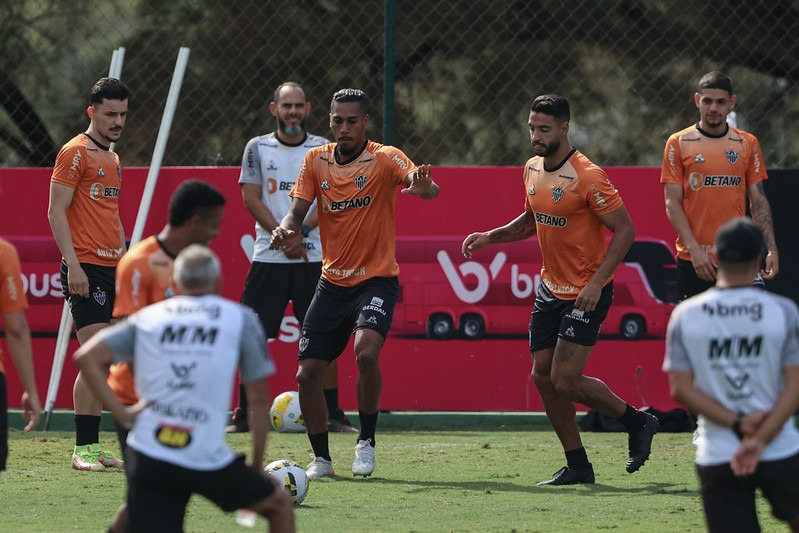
(274, 166)
(185, 352)
(736, 342)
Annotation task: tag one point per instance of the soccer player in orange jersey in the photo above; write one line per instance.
(354, 181)
(18, 335)
(269, 169)
(84, 218)
(709, 169)
(569, 203)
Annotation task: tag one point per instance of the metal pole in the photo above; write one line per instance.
(160, 144)
(388, 72)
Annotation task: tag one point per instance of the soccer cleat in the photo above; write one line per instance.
(87, 458)
(364, 463)
(108, 459)
(339, 423)
(640, 443)
(318, 468)
(571, 476)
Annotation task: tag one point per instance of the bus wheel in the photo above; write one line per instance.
(439, 326)
(632, 327)
(472, 327)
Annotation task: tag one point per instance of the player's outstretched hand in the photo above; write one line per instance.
(421, 181)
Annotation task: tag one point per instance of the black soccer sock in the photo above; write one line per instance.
(87, 430)
(577, 459)
(368, 425)
(331, 398)
(632, 419)
(242, 402)
(320, 445)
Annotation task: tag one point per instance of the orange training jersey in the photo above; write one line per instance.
(96, 176)
(12, 295)
(356, 209)
(566, 203)
(143, 277)
(715, 173)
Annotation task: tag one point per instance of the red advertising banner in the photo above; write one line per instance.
(459, 339)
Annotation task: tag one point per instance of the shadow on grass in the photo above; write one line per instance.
(653, 488)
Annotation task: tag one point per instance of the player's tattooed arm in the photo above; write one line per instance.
(518, 229)
(761, 214)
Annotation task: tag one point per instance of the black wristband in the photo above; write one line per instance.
(736, 425)
(305, 230)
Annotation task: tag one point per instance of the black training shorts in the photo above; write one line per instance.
(336, 312)
(99, 306)
(554, 318)
(270, 286)
(730, 501)
(158, 492)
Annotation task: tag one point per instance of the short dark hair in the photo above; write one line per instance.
(190, 198)
(108, 89)
(292, 84)
(351, 95)
(739, 240)
(716, 80)
(552, 104)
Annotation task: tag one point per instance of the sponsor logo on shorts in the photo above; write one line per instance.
(372, 320)
(377, 301)
(569, 331)
(579, 314)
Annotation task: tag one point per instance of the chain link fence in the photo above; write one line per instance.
(464, 72)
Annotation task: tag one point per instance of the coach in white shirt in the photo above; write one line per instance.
(185, 352)
(732, 355)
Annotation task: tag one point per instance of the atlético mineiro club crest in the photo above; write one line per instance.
(99, 296)
(732, 156)
(360, 182)
(557, 194)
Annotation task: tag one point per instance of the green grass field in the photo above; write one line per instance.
(449, 480)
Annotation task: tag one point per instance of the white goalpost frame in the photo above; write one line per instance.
(65, 326)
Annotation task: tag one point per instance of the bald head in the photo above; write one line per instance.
(196, 270)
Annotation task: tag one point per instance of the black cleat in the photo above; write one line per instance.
(339, 423)
(640, 443)
(570, 476)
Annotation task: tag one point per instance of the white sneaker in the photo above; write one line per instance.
(319, 468)
(364, 463)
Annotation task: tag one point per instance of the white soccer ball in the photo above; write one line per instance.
(291, 477)
(285, 413)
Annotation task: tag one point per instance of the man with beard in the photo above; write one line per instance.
(269, 168)
(569, 202)
(709, 169)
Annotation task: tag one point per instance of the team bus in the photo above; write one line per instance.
(443, 296)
